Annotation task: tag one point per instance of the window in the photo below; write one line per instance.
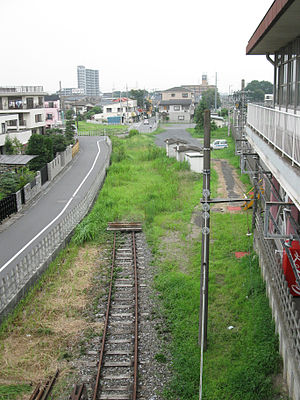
(288, 76)
(108, 110)
(172, 94)
(38, 118)
(185, 95)
(180, 117)
(176, 108)
(49, 116)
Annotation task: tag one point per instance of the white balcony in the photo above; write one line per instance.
(280, 129)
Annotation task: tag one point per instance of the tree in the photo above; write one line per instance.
(199, 114)
(59, 143)
(93, 111)
(139, 95)
(258, 89)
(69, 114)
(41, 146)
(8, 146)
(209, 97)
(70, 131)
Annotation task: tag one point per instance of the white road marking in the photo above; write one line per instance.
(58, 216)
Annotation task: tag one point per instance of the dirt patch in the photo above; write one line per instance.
(52, 324)
(229, 186)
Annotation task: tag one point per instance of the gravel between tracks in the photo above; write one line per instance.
(153, 374)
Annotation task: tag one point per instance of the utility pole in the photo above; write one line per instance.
(216, 90)
(203, 311)
(205, 233)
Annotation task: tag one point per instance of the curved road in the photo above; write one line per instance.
(67, 189)
(177, 131)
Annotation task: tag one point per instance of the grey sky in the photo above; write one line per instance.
(154, 44)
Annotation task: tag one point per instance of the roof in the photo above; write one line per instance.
(15, 159)
(51, 97)
(177, 89)
(193, 155)
(174, 102)
(188, 148)
(279, 26)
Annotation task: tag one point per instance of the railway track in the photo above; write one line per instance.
(117, 373)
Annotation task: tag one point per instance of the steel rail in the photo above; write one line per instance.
(42, 392)
(135, 376)
(106, 321)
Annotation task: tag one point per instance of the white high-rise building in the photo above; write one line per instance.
(88, 80)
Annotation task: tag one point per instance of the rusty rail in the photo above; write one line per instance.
(97, 384)
(135, 377)
(42, 392)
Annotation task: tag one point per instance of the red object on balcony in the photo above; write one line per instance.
(287, 268)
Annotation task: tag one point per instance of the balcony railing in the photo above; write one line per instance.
(281, 129)
(21, 89)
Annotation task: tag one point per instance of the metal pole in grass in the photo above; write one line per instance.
(203, 310)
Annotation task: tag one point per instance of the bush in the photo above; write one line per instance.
(133, 132)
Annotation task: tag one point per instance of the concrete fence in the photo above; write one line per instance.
(15, 283)
(32, 189)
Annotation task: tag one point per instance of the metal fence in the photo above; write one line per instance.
(13, 283)
(280, 128)
(8, 206)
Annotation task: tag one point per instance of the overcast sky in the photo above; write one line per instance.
(156, 44)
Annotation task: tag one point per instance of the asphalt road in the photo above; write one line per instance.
(177, 131)
(51, 202)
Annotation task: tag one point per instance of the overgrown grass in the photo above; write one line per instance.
(107, 129)
(143, 184)
(11, 392)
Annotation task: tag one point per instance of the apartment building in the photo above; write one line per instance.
(177, 105)
(88, 80)
(269, 145)
(21, 112)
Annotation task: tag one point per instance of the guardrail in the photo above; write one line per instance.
(14, 284)
(280, 128)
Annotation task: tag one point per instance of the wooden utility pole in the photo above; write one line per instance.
(203, 312)
(205, 234)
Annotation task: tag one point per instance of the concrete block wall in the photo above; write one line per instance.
(291, 372)
(31, 192)
(17, 281)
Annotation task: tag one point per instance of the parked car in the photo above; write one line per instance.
(146, 122)
(219, 144)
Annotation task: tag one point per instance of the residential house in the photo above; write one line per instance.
(52, 111)
(177, 105)
(270, 152)
(197, 90)
(22, 112)
(123, 108)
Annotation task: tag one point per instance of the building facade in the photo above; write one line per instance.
(269, 145)
(22, 112)
(52, 111)
(88, 80)
(177, 105)
(124, 108)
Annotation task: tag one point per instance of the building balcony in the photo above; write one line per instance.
(280, 129)
(275, 136)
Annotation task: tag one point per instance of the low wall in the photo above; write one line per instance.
(16, 283)
(285, 315)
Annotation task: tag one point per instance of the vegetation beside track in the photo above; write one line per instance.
(143, 184)
(105, 129)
